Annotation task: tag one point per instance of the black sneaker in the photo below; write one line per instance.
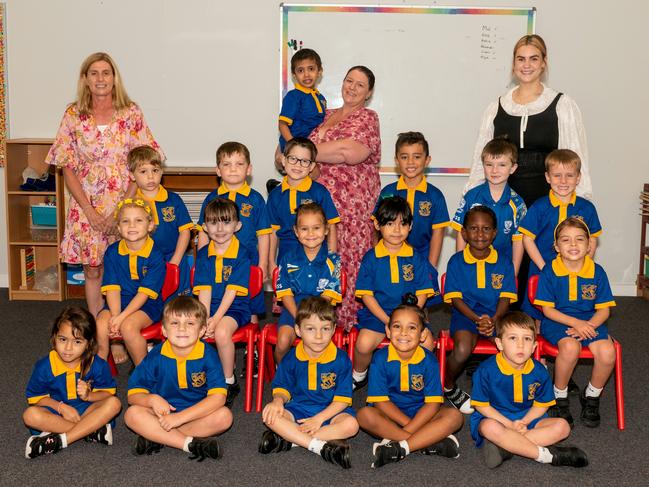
(460, 400)
(43, 445)
(573, 388)
(568, 456)
(390, 452)
(336, 452)
(562, 410)
(142, 446)
(202, 448)
(359, 384)
(255, 361)
(103, 435)
(271, 442)
(493, 455)
(449, 447)
(233, 391)
(589, 410)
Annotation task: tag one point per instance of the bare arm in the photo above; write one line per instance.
(272, 253)
(202, 408)
(593, 246)
(374, 307)
(181, 246)
(114, 301)
(423, 416)
(436, 246)
(533, 251)
(284, 130)
(203, 240)
(491, 413)
(343, 151)
(517, 254)
(263, 246)
(289, 304)
(332, 239)
(393, 412)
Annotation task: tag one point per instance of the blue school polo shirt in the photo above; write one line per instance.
(181, 381)
(428, 208)
(509, 209)
(218, 273)
(509, 391)
(312, 384)
(409, 384)
(52, 378)
(284, 200)
(303, 109)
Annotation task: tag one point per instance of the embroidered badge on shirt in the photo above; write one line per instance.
(227, 272)
(531, 390)
(306, 201)
(408, 272)
(327, 380)
(198, 379)
(424, 208)
(145, 270)
(497, 281)
(168, 213)
(246, 208)
(508, 226)
(588, 291)
(417, 382)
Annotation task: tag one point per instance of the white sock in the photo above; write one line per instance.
(315, 446)
(64, 440)
(544, 455)
(560, 393)
(592, 391)
(229, 380)
(188, 440)
(404, 445)
(446, 389)
(359, 376)
(384, 441)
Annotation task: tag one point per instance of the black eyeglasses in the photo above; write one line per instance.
(296, 160)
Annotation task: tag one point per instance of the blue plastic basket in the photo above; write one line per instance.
(44, 215)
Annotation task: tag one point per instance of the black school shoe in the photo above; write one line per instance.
(336, 452)
(43, 445)
(233, 391)
(449, 447)
(103, 435)
(568, 456)
(493, 455)
(573, 388)
(359, 384)
(271, 442)
(589, 410)
(202, 448)
(390, 452)
(562, 410)
(143, 446)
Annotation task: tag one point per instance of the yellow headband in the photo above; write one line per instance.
(133, 201)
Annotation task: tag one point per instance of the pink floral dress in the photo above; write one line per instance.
(99, 161)
(354, 190)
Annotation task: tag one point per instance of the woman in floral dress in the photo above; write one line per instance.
(349, 150)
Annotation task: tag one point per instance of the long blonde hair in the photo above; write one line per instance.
(84, 99)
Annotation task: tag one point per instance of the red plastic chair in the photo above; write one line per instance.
(546, 348)
(268, 338)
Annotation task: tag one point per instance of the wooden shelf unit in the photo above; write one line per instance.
(642, 282)
(21, 234)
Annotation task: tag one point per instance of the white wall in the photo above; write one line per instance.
(594, 56)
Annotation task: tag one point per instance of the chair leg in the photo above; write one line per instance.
(250, 363)
(619, 387)
(111, 363)
(261, 351)
(443, 343)
(270, 363)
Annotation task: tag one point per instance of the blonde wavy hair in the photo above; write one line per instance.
(84, 100)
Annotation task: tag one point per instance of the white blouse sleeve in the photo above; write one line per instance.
(476, 176)
(572, 135)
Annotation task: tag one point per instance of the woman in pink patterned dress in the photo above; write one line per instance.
(349, 150)
(96, 133)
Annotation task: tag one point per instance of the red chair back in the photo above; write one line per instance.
(172, 281)
(532, 286)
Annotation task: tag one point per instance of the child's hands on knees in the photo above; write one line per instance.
(310, 425)
(170, 421)
(519, 426)
(272, 411)
(160, 406)
(114, 325)
(84, 389)
(582, 330)
(485, 325)
(211, 326)
(68, 412)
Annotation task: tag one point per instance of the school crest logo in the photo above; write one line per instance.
(306, 201)
(145, 270)
(227, 272)
(246, 208)
(497, 281)
(327, 380)
(168, 213)
(508, 226)
(531, 390)
(198, 379)
(424, 208)
(417, 382)
(588, 291)
(408, 272)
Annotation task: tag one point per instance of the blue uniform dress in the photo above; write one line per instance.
(300, 277)
(312, 384)
(509, 391)
(539, 224)
(171, 217)
(181, 381)
(409, 384)
(428, 208)
(577, 294)
(135, 272)
(284, 200)
(218, 273)
(303, 109)
(52, 378)
(509, 209)
(388, 277)
(479, 283)
(254, 222)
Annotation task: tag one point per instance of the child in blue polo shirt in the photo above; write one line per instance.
(563, 173)
(405, 394)
(71, 392)
(311, 271)
(312, 391)
(427, 203)
(499, 162)
(576, 298)
(233, 167)
(480, 284)
(221, 282)
(134, 271)
(177, 394)
(296, 189)
(511, 395)
(387, 273)
(170, 216)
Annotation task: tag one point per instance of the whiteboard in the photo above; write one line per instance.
(436, 68)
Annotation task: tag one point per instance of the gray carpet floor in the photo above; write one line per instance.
(616, 457)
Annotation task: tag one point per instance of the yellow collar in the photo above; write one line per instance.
(197, 352)
(230, 253)
(304, 185)
(417, 357)
(161, 195)
(244, 190)
(381, 251)
(303, 89)
(145, 251)
(59, 367)
(554, 201)
(328, 355)
(422, 186)
(507, 369)
(492, 258)
(587, 271)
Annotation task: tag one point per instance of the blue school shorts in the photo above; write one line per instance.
(553, 332)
